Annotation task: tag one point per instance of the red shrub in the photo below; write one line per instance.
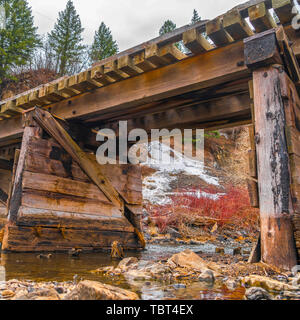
(192, 207)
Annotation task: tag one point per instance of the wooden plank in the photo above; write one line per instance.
(10, 108)
(41, 164)
(140, 61)
(85, 79)
(217, 33)
(25, 239)
(261, 18)
(222, 108)
(237, 27)
(31, 217)
(126, 65)
(92, 169)
(111, 70)
(50, 183)
(97, 74)
(63, 89)
(284, 10)
(11, 129)
(196, 42)
(175, 79)
(277, 239)
(62, 202)
(23, 102)
(162, 56)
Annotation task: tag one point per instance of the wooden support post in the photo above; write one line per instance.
(277, 239)
(16, 194)
(274, 180)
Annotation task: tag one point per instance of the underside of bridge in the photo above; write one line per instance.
(243, 71)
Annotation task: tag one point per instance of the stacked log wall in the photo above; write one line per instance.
(61, 208)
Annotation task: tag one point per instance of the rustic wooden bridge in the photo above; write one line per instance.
(242, 69)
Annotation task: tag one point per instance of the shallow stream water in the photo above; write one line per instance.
(62, 267)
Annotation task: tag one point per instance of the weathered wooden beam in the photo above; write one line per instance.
(236, 26)
(196, 42)
(16, 195)
(140, 61)
(262, 49)
(217, 33)
(97, 74)
(91, 168)
(276, 211)
(284, 10)
(63, 89)
(261, 18)
(194, 73)
(288, 55)
(126, 65)
(217, 109)
(111, 70)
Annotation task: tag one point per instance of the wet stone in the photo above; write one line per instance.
(256, 293)
(179, 286)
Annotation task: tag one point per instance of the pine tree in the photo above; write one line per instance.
(167, 27)
(196, 17)
(104, 46)
(18, 39)
(66, 41)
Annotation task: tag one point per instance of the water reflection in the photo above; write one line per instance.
(62, 267)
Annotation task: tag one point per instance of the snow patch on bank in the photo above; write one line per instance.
(157, 188)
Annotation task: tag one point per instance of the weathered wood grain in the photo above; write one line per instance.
(26, 239)
(277, 239)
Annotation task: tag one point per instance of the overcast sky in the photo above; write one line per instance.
(131, 21)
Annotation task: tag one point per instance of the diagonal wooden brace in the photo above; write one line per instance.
(91, 167)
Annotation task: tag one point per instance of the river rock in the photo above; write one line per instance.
(231, 284)
(6, 294)
(92, 290)
(190, 260)
(125, 263)
(256, 293)
(207, 276)
(38, 294)
(268, 283)
(173, 233)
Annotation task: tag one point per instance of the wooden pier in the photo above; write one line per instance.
(241, 69)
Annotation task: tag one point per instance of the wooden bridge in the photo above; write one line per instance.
(242, 69)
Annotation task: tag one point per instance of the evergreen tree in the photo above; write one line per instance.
(167, 27)
(196, 17)
(66, 41)
(104, 46)
(18, 39)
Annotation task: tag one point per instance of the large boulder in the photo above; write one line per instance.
(268, 283)
(92, 290)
